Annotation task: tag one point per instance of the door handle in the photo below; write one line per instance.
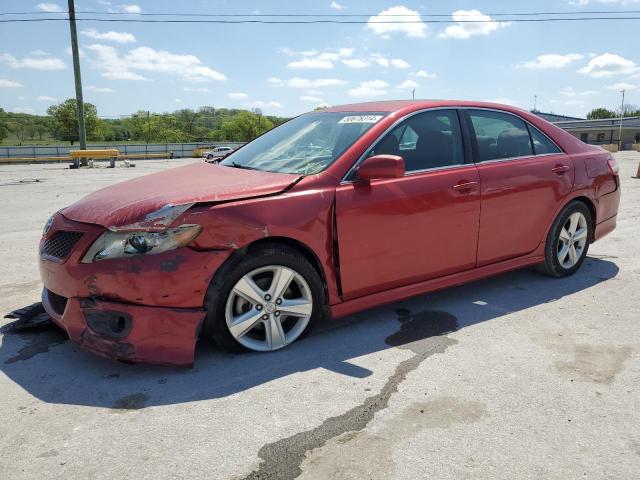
(560, 169)
(465, 186)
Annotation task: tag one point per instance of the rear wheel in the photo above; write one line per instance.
(568, 240)
(267, 301)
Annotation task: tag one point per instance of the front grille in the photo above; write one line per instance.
(61, 244)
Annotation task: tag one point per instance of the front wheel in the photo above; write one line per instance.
(273, 297)
(568, 241)
(209, 157)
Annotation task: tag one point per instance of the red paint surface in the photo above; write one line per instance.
(390, 238)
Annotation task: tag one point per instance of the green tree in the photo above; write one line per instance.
(598, 113)
(244, 127)
(64, 124)
(4, 130)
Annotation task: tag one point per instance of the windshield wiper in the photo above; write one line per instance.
(245, 167)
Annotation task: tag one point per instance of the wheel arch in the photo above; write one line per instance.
(288, 242)
(580, 197)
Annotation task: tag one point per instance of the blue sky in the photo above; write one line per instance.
(288, 69)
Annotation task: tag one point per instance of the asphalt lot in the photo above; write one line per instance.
(518, 376)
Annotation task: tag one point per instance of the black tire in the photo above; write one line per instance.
(551, 265)
(209, 157)
(215, 325)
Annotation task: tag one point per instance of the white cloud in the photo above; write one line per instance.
(261, 104)
(196, 90)
(49, 7)
(238, 96)
(413, 26)
(124, 76)
(297, 82)
(312, 59)
(93, 88)
(608, 65)
(408, 85)
(147, 59)
(371, 88)
(45, 98)
(399, 63)
(309, 98)
(384, 61)
(130, 8)
(38, 63)
(550, 61)
(470, 23)
(622, 86)
(4, 83)
(39, 53)
(337, 6)
(570, 92)
(356, 63)
(118, 37)
(423, 74)
(311, 63)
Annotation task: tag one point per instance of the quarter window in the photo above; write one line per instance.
(427, 140)
(541, 144)
(500, 135)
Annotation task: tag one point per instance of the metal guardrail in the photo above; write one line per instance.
(179, 150)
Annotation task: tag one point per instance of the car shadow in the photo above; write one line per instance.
(54, 370)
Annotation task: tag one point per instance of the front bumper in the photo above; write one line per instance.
(158, 300)
(156, 335)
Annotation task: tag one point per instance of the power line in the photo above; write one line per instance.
(338, 15)
(308, 22)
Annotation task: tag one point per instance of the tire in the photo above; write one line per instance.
(209, 157)
(222, 300)
(560, 237)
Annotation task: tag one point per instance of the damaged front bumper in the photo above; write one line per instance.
(143, 308)
(130, 333)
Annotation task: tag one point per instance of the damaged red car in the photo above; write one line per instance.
(333, 212)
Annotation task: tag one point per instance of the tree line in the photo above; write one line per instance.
(206, 124)
(603, 113)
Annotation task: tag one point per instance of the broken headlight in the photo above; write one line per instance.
(123, 244)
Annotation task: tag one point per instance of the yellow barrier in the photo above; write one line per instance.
(106, 153)
(636, 147)
(610, 147)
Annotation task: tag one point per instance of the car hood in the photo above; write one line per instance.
(154, 201)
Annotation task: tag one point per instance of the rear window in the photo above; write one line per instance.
(500, 135)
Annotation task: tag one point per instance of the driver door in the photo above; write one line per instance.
(395, 232)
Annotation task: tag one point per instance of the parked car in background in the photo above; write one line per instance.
(217, 153)
(331, 213)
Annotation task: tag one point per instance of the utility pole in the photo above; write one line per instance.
(413, 94)
(76, 74)
(535, 103)
(621, 116)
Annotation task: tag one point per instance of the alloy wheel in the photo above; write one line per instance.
(268, 308)
(573, 240)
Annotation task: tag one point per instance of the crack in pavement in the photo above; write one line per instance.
(423, 333)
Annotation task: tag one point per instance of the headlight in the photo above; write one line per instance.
(118, 245)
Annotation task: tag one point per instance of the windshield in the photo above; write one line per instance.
(306, 145)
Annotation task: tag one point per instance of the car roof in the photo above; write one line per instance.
(410, 105)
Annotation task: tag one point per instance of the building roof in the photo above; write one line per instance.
(554, 117)
(601, 123)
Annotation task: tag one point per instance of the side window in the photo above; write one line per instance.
(541, 144)
(500, 135)
(427, 140)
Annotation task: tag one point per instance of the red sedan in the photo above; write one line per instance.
(331, 213)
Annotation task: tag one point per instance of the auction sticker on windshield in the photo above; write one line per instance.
(361, 119)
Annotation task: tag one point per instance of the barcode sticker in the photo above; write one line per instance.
(361, 119)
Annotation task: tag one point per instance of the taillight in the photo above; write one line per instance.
(614, 168)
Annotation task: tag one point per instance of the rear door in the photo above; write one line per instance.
(524, 178)
(395, 232)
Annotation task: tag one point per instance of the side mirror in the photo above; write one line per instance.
(381, 166)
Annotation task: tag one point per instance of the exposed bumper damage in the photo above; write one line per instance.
(130, 333)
